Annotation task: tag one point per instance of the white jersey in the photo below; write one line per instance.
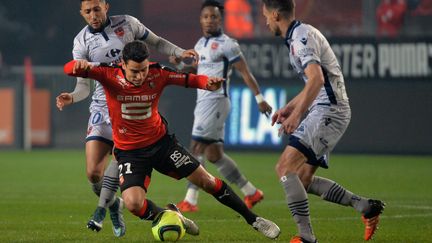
(217, 54)
(308, 45)
(107, 46)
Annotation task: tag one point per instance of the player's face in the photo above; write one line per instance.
(94, 12)
(270, 16)
(211, 20)
(136, 72)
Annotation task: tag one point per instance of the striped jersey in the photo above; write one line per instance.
(217, 54)
(136, 122)
(308, 45)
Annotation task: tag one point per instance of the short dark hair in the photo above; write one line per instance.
(213, 3)
(285, 7)
(136, 51)
(103, 1)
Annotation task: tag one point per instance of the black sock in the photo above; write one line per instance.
(149, 210)
(227, 197)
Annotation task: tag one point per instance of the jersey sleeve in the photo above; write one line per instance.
(307, 49)
(232, 50)
(138, 29)
(187, 80)
(98, 73)
(79, 50)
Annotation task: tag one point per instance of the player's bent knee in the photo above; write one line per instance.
(133, 205)
(283, 169)
(213, 158)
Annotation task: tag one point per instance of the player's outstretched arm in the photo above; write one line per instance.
(251, 82)
(64, 99)
(182, 66)
(78, 68)
(214, 83)
(82, 91)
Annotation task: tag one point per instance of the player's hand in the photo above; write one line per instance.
(81, 65)
(265, 108)
(214, 83)
(190, 54)
(290, 124)
(64, 99)
(279, 116)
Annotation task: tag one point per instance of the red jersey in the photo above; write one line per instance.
(133, 110)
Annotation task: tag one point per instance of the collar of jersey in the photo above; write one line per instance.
(93, 31)
(290, 30)
(216, 34)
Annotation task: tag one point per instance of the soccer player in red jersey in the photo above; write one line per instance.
(141, 139)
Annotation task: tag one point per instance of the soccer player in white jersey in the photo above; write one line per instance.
(218, 54)
(102, 40)
(325, 102)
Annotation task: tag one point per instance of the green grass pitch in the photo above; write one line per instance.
(45, 197)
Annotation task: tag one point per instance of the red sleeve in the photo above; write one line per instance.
(94, 73)
(187, 80)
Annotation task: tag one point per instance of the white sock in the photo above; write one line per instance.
(248, 189)
(192, 196)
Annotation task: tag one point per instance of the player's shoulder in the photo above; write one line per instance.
(81, 35)
(305, 31)
(227, 40)
(117, 20)
(301, 30)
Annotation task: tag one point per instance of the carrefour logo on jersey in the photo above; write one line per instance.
(246, 126)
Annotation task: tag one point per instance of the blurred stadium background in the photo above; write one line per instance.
(384, 48)
(387, 67)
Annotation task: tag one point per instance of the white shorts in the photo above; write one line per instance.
(209, 120)
(99, 128)
(319, 132)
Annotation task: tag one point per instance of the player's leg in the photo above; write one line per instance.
(99, 142)
(135, 168)
(331, 191)
(228, 168)
(179, 163)
(190, 202)
(225, 195)
(286, 168)
(97, 152)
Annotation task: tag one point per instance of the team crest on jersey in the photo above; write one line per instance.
(119, 31)
(122, 81)
(214, 45)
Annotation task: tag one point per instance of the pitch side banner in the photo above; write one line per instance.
(360, 58)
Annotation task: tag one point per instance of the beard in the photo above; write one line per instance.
(277, 32)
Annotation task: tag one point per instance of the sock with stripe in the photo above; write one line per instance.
(148, 211)
(298, 204)
(230, 171)
(96, 187)
(225, 195)
(333, 192)
(110, 185)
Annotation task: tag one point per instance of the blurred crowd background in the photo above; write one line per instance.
(391, 101)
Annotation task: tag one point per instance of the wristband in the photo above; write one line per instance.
(259, 98)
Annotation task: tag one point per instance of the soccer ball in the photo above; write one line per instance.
(168, 226)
